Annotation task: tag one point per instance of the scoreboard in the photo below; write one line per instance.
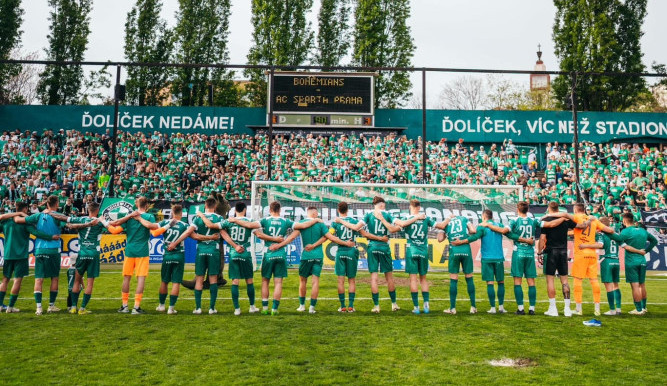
(307, 99)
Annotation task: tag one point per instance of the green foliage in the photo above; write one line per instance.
(147, 40)
(93, 83)
(201, 32)
(68, 38)
(281, 37)
(599, 36)
(382, 39)
(330, 347)
(11, 17)
(333, 39)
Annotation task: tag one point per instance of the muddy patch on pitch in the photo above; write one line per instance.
(516, 363)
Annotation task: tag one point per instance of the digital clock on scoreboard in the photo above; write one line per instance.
(309, 120)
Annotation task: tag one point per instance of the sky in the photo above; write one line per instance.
(490, 34)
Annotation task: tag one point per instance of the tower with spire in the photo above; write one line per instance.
(539, 82)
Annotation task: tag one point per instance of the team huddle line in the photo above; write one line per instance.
(207, 228)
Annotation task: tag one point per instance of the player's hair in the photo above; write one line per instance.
(52, 201)
(415, 204)
(311, 208)
(522, 207)
(605, 220)
(240, 206)
(141, 202)
(177, 209)
(377, 200)
(210, 203)
(487, 213)
(342, 207)
(628, 216)
(553, 206)
(93, 206)
(21, 206)
(274, 207)
(579, 207)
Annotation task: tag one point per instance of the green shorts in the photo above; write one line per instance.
(47, 265)
(379, 258)
(416, 262)
(635, 272)
(240, 268)
(523, 266)
(610, 270)
(493, 271)
(310, 267)
(172, 271)
(458, 261)
(274, 266)
(347, 261)
(16, 268)
(88, 265)
(206, 261)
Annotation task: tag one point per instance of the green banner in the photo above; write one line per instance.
(472, 126)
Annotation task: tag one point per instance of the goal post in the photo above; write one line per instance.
(437, 201)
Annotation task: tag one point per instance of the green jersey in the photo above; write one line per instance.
(524, 227)
(89, 237)
(209, 246)
(610, 246)
(172, 234)
(240, 235)
(17, 239)
(376, 227)
(275, 227)
(138, 236)
(457, 229)
(417, 232)
(311, 235)
(637, 237)
(344, 233)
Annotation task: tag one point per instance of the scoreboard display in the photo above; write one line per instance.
(322, 99)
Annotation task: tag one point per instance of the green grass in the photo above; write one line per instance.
(111, 348)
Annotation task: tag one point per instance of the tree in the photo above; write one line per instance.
(147, 40)
(68, 38)
(333, 40)
(202, 28)
(11, 17)
(464, 93)
(382, 39)
(281, 37)
(599, 36)
(21, 87)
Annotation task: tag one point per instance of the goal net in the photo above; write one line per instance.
(437, 201)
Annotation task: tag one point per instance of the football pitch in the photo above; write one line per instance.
(330, 347)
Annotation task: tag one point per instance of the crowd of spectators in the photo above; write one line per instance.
(75, 166)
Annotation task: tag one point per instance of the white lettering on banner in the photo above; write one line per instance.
(166, 122)
(488, 126)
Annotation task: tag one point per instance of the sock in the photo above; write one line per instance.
(501, 294)
(610, 300)
(265, 304)
(163, 298)
(643, 303)
(392, 296)
(415, 299)
(426, 295)
(341, 298)
(12, 299)
(577, 306)
(137, 300)
(351, 298)
(532, 295)
(453, 292)
(126, 298)
(567, 303)
(75, 299)
(2, 297)
(552, 303)
(52, 297)
(86, 299)
(69, 299)
(518, 295)
(597, 308)
(235, 296)
(172, 300)
(596, 291)
(617, 296)
(491, 294)
(376, 299)
(302, 300)
(578, 291)
(638, 306)
(313, 302)
(38, 299)
(250, 290)
(276, 304)
(214, 294)
(471, 290)
(198, 299)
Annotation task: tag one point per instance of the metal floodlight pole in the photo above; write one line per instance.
(114, 133)
(270, 160)
(424, 126)
(576, 137)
